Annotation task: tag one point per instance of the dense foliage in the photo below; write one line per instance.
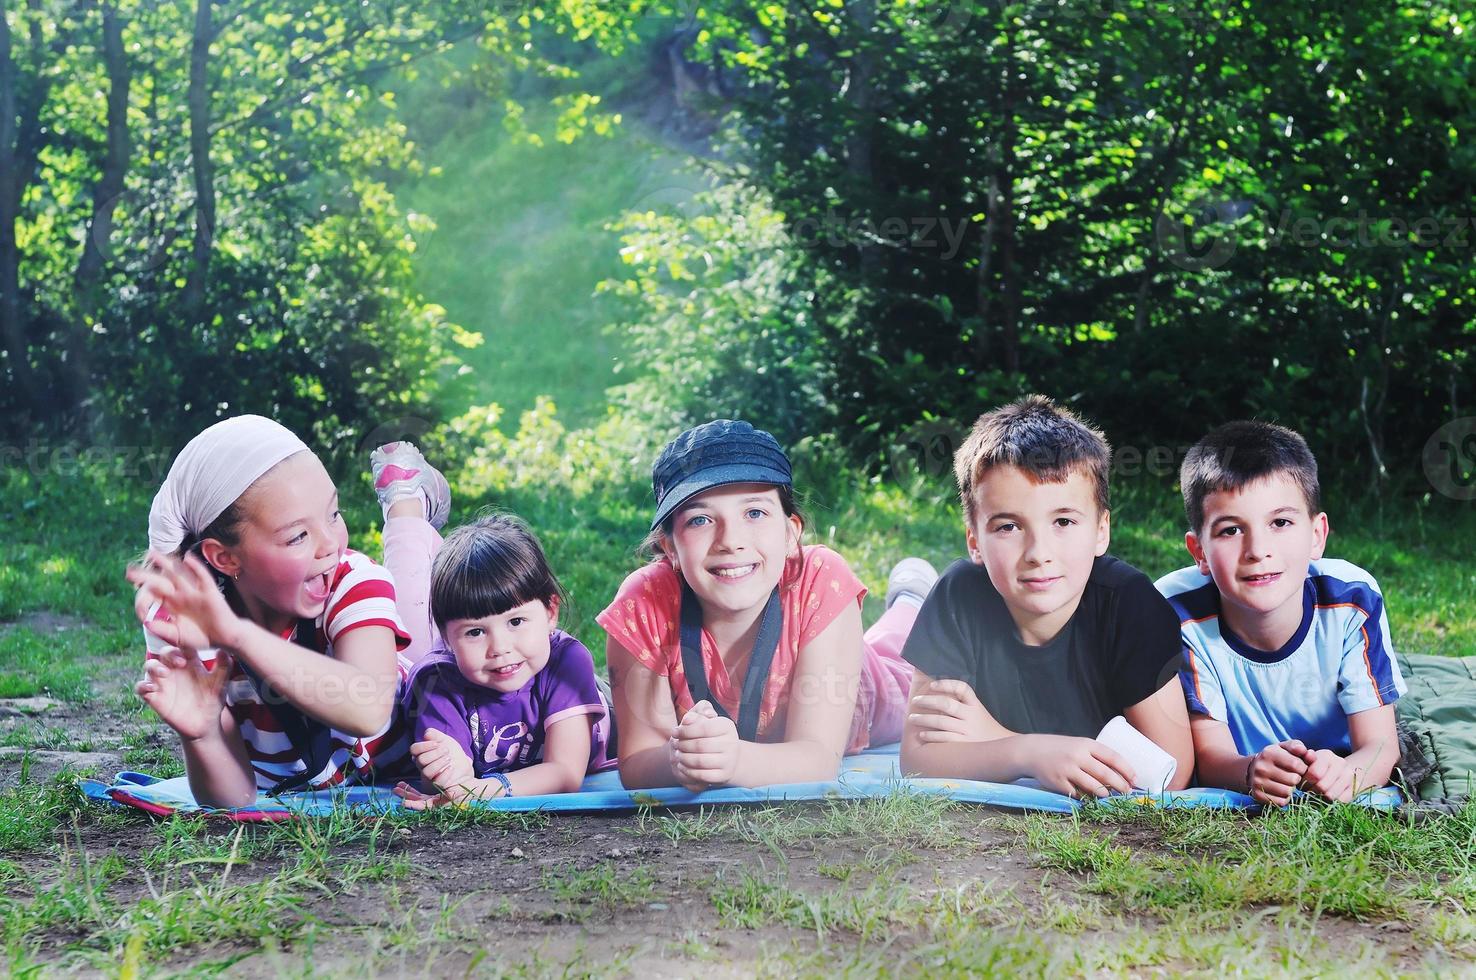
(196, 217)
(1168, 214)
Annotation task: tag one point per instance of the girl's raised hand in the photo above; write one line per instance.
(199, 614)
(704, 749)
(186, 694)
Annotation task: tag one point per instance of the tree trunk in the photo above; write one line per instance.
(109, 187)
(115, 163)
(1371, 409)
(1009, 274)
(12, 182)
(861, 134)
(984, 277)
(20, 152)
(199, 103)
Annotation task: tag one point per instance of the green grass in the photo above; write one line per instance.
(200, 889)
(1109, 892)
(1418, 548)
(30, 812)
(898, 885)
(1420, 554)
(899, 823)
(603, 887)
(52, 665)
(520, 245)
(1348, 862)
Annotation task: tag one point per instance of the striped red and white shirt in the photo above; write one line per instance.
(362, 594)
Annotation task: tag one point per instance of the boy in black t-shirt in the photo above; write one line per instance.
(1027, 649)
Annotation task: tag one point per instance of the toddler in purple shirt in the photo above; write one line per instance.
(505, 730)
(504, 702)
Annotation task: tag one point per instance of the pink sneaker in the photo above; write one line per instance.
(400, 471)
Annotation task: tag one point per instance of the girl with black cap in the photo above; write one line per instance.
(737, 657)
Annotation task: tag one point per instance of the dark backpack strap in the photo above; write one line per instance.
(760, 662)
(312, 739)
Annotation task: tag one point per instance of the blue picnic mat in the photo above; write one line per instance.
(873, 773)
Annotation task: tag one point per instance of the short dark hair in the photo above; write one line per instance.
(488, 567)
(1040, 438)
(1239, 453)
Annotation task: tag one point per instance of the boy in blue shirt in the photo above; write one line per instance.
(1288, 669)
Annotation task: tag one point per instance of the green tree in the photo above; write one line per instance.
(1121, 172)
(195, 210)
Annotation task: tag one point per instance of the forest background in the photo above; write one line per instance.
(542, 238)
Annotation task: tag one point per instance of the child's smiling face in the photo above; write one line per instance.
(1038, 541)
(290, 543)
(1257, 543)
(731, 543)
(504, 652)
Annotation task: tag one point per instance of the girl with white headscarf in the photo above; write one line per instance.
(248, 554)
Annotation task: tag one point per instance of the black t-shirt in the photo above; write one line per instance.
(1120, 646)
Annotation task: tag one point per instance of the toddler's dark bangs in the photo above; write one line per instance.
(483, 572)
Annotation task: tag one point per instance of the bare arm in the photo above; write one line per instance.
(1218, 760)
(565, 759)
(219, 770)
(925, 754)
(352, 691)
(1164, 718)
(1375, 740)
(190, 698)
(1270, 775)
(643, 705)
(1375, 750)
(819, 714)
(447, 768)
(950, 733)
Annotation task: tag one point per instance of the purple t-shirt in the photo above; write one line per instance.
(501, 731)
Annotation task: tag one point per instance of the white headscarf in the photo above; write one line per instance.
(212, 472)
